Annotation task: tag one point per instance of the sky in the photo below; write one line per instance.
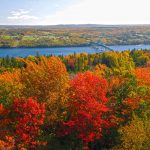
(52, 12)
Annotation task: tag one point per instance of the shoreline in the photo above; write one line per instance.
(71, 46)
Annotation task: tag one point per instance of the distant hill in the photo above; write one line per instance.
(68, 26)
(73, 35)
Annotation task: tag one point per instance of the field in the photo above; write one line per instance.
(73, 35)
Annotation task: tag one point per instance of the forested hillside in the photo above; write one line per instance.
(75, 35)
(76, 102)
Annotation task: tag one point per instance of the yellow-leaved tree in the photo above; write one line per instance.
(48, 80)
(10, 86)
(136, 135)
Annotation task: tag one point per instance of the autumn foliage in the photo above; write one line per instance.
(88, 111)
(44, 106)
(143, 75)
(48, 80)
(23, 121)
(8, 143)
(29, 116)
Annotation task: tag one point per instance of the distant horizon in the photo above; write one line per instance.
(76, 24)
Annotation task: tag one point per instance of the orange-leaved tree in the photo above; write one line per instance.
(143, 75)
(6, 138)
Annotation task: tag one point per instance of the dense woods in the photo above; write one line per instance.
(76, 102)
(58, 36)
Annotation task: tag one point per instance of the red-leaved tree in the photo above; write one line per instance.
(28, 118)
(88, 113)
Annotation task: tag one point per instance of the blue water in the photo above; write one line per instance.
(23, 52)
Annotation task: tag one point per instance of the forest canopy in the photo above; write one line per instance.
(76, 102)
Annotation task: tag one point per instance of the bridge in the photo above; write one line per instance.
(100, 47)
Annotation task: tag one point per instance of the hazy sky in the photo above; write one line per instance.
(47, 12)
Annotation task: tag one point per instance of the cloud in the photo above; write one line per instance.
(88, 11)
(102, 12)
(21, 15)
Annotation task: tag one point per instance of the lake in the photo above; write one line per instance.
(23, 52)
